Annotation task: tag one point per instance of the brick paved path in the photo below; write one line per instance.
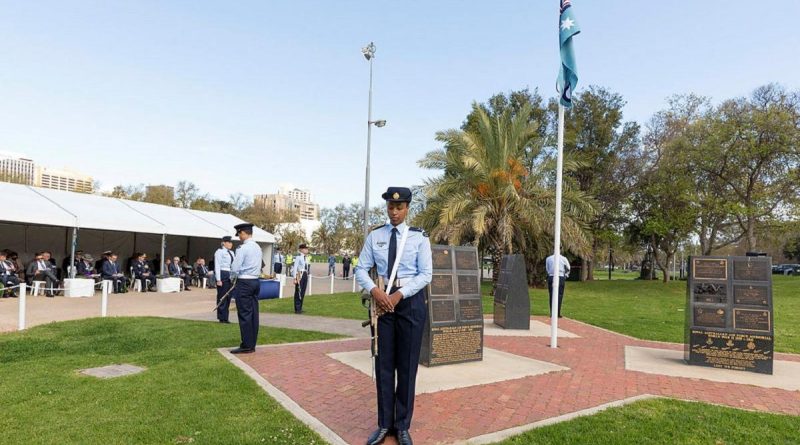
(344, 399)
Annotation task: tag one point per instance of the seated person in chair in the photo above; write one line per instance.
(86, 268)
(41, 269)
(7, 276)
(112, 272)
(142, 272)
(202, 271)
(175, 270)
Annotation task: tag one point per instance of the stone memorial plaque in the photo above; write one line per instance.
(729, 313)
(752, 269)
(706, 292)
(466, 259)
(453, 331)
(752, 320)
(727, 350)
(443, 310)
(441, 285)
(751, 295)
(471, 309)
(709, 317)
(512, 304)
(455, 344)
(710, 269)
(442, 258)
(468, 285)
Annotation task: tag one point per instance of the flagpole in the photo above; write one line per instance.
(557, 233)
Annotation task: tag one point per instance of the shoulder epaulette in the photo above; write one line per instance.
(377, 227)
(418, 229)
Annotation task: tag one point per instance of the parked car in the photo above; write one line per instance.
(786, 269)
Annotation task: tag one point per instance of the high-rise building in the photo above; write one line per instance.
(290, 200)
(300, 195)
(15, 168)
(68, 180)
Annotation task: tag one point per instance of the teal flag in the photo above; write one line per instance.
(568, 74)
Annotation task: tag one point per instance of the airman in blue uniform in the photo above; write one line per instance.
(223, 258)
(400, 329)
(246, 269)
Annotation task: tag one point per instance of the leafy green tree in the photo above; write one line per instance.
(186, 193)
(753, 149)
(487, 195)
(606, 154)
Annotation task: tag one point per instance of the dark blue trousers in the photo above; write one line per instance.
(561, 283)
(399, 341)
(223, 311)
(300, 293)
(246, 294)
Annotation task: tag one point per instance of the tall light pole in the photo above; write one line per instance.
(369, 54)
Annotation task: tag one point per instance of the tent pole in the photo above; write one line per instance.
(163, 249)
(72, 252)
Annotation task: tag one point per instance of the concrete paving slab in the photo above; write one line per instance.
(786, 374)
(538, 329)
(112, 371)
(496, 366)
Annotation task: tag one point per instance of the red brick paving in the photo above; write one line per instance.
(344, 399)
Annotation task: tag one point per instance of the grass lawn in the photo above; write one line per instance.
(668, 422)
(650, 310)
(189, 393)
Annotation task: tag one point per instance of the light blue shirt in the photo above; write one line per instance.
(247, 263)
(299, 264)
(416, 263)
(222, 260)
(549, 264)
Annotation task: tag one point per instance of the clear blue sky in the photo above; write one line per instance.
(242, 96)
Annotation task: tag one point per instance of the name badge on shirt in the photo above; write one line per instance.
(381, 243)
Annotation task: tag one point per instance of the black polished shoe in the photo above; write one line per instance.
(225, 321)
(242, 351)
(378, 436)
(403, 438)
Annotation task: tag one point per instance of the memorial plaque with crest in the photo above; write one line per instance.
(751, 295)
(512, 304)
(751, 269)
(710, 268)
(729, 321)
(453, 332)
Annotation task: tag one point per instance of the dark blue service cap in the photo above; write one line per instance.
(397, 194)
(227, 239)
(243, 226)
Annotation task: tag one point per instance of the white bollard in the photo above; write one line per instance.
(310, 284)
(354, 283)
(104, 300)
(331, 283)
(23, 290)
(281, 282)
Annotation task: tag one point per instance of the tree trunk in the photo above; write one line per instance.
(497, 257)
(586, 266)
(751, 233)
(590, 271)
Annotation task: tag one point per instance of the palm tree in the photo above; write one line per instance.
(487, 195)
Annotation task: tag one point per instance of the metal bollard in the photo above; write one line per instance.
(104, 300)
(23, 290)
(331, 283)
(310, 284)
(354, 283)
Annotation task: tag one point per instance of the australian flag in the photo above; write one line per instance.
(568, 74)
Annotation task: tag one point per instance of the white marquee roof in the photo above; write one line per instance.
(34, 205)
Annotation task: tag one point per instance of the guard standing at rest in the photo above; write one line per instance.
(246, 269)
(223, 258)
(277, 261)
(300, 272)
(400, 329)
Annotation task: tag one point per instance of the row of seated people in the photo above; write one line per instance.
(43, 268)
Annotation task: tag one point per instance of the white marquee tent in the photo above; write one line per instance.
(34, 219)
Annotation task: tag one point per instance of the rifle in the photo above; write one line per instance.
(375, 312)
(225, 297)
